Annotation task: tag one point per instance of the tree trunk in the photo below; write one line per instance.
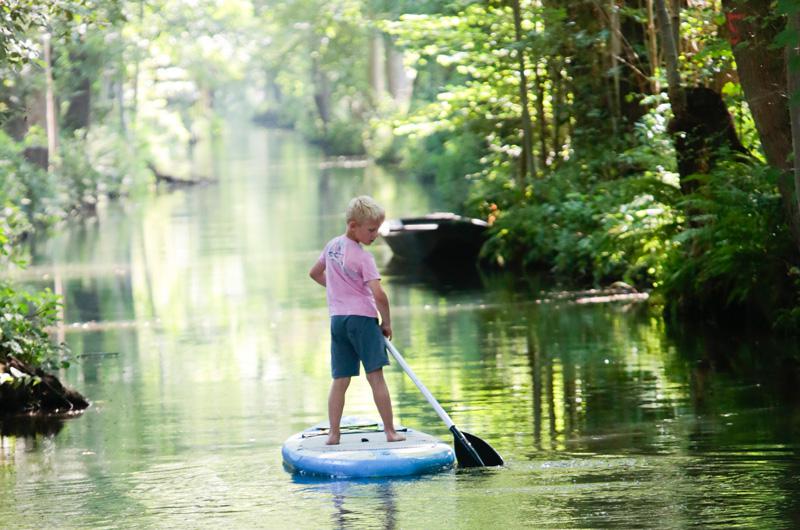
(636, 71)
(793, 86)
(703, 134)
(136, 74)
(555, 76)
(702, 128)
(78, 115)
(50, 103)
(120, 92)
(615, 53)
(652, 48)
(541, 118)
(35, 114)
(79, 110)
(377, 67)
(677, 97)
(762, 72)
(761, 67)
(585, 82)
(529, 169)
(401, 79)
(675, 23)
(322, 93)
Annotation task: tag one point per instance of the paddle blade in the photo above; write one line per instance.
(471, 451)
(484, 450)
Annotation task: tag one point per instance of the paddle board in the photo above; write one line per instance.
(364, 452)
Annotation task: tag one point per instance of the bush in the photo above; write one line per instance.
(23, 319)
(82, 184)
(341, 138)
(736, 253)
(616, 230)
(24, 189)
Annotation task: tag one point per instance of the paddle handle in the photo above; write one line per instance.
(422, 388)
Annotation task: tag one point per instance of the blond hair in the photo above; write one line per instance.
(364, 208)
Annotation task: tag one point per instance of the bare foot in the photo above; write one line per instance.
(333, 439)
(392, 436)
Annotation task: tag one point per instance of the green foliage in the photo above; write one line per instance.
(20, 19)
(23, 319)
(633, 240)
(324, 90)
(607, 217)
(341, 138)
(710, 53)
(736, 250)
(25, 196)
(606, 206)
(92, 166)
(788, 318)
(477, 49)
(613, 230)
(450, 161)
(27, 192)
(81, 182)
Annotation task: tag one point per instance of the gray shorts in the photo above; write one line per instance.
(356, 338)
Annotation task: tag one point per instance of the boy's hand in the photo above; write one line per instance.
(386, 329)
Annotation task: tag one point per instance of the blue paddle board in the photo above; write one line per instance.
(364, 452)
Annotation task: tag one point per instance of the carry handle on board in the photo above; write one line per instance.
(471, 451)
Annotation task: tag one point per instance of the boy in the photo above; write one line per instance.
(355, 298)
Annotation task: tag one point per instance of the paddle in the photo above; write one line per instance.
(471, 451)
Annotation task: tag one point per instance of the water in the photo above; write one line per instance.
(205, 346)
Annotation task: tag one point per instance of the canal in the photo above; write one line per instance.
(203, 346)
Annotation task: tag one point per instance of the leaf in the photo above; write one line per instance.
(794, 62)
(788, 7)
(787, 37)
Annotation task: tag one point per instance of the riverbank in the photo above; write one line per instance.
(27, 390)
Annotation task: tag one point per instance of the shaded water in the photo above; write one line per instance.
(211, 349)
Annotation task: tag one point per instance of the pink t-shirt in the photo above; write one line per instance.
(348, 268)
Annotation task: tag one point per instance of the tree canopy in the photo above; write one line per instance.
(648, 141)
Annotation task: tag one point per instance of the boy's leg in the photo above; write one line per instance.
(336, 407)
(380, 393)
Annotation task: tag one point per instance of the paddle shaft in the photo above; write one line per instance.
(422, 388)
(470, 456)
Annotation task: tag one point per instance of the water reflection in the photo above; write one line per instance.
(347, 497)
(210, 349)
(31, 426)
(439, 277)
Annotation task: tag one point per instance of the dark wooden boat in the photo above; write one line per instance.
(436, 237)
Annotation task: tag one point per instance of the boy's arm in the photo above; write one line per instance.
(317, 273)
(382, 302)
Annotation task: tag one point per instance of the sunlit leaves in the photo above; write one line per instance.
(22, 22)
(212, 40)
(24, 318)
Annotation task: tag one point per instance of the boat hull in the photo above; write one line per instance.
(435, 238)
